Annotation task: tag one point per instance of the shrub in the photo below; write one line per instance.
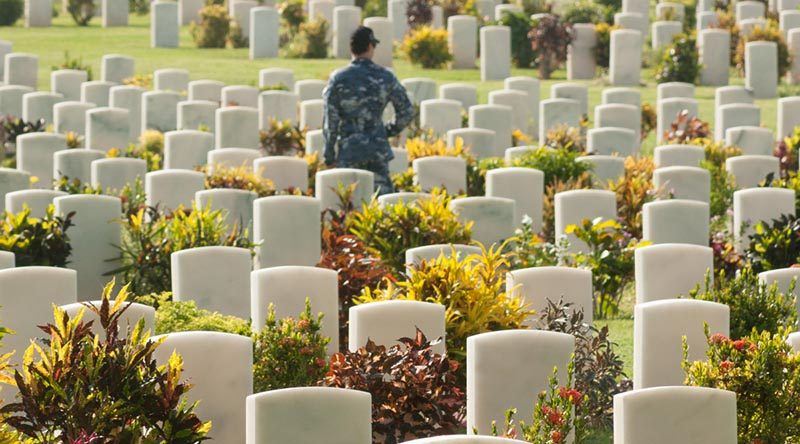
(522, 53)
(764, 372)
(11, 11)
(388, 231)
(149, 240)
(550, 190)
(139, 7)
(529, 249)
(427, 47)
(373, 8)
(686, 129)
(357, 269)
(150, 149)
(786, 152)
(283, 139)
(679, 61)
(550, 38)
(109, 385)
(564, 137)
(414, 391)
(726, 260)
(531, 7)
(771, 34)
(6, 435)
(471, 288)
(240, 178)
(722, 189)
(236, 37)
(77, 64)
(177, 316)
(81, 11)
(754, 305)
(554, 418)
(310, 41)
(141, 80)
(419, 13)
(633, 190)
(649, 120)
(557, 165)
(292, 14)
(289, 352)
(428, 145)
(35, 241)
(213, 29)
(13, 127)
(598, 370)
(582, 11)
(602, 49)
(775, 244)
(609, 257)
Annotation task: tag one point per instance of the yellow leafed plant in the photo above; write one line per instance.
(428, 145)
(472, 289)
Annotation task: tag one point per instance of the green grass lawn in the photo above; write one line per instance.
(232, 66)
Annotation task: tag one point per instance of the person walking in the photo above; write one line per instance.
(354, 101)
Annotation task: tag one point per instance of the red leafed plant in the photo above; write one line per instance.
(414, 390)
(685, 129)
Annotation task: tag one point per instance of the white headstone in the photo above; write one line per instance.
(676, 221)
(39, 105)
(75, 164)
(492, 217)
(761, 68)
(160, 110)
(285, 172)
(683, 182)
(236, 127)
(278, 105)
(107, 128)
(70, 117)
(216, 278)
(572, 207)
(67, 82)
(327, 184)
(670, 271)
(12, 180)
(626, 57)
(171, 189)
(752, 140)
(609, 141)
(236, 206)
(479, 142)
(462, 34)
(35, 155)
(21, 69)
(539, 285)
(678, 155)
(447, 172)
(210, 90)
(345, 20)
(749, 171)
(164, 24)
(117, 67)
(130, 98)
(288, 230)
(668, 111)
(186, 149)
(387, 321)
(495, 52)
(558, 112)
(11, 99)
(36, 200)
(755, 205)
(714, 47)
(94, 237)
(115, 173)
(196, 114)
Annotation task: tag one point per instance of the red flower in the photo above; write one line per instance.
(572, 395)
(554, 417)
(725, 365)
(718, 338)
(557, 437)
(740, 344)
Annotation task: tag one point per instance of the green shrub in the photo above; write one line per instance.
(77, 386)
(557, 165)
(609, 257)
(566, 138)
(214, 27)
(550, 38)
(679, 61)
(236, 36)
(11, 11)
(787, 151)
(754, 305)
(35, 241)
(139, 7)
(292, 15)
(582, 11)
(76, 63)
(177, 316)
(775, 244)
(649, 119)
(633, 190)
(427, 47)
(388, 231)
(310, 41)
(602, 49)
(522, 52)
(722, 189)
(373, 8)
(289, 352)
(149, 240)
(239, 178)
(764, 372)
(81, 11)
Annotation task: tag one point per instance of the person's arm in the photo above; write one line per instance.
(330, 123)
(403, 110)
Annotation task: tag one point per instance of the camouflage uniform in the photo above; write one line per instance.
(354, 102)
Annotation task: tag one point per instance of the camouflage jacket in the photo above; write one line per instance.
(354, 102)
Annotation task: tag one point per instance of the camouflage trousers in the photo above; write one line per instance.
(383, 183)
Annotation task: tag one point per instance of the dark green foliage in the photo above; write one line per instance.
(81, 11)
(419, 13)
(550, 37)
(754, 305)
(176, 316)
(522, 52)
(289, 352)
(679, 61)
(558, 165)
(310, 41)
(775, 244)
(11, 11)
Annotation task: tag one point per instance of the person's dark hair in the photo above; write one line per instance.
(360, 40)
